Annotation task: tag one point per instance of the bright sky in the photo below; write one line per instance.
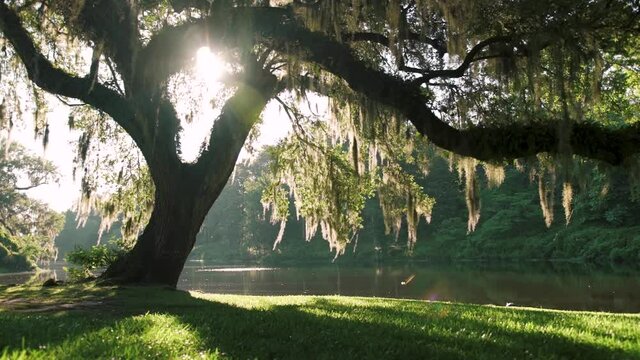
(61, 150)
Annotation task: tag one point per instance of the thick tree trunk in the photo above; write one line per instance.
(162, 250)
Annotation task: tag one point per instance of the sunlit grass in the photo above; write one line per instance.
(135, 337)
(155, 323)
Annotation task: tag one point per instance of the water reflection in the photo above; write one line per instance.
(31, 277)
(556, 285)
(234, 269)
(543, 285)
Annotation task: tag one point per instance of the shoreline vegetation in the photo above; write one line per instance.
(85, 321)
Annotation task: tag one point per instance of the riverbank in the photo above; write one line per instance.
(87, 322)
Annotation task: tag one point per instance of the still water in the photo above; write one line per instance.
(536, 285)
(556, 286)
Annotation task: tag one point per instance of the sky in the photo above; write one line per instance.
(60, 151)
(61, 148)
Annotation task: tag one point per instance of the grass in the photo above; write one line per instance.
(86, 322)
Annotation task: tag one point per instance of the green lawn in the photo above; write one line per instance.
(84, 322)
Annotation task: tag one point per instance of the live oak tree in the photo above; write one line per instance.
(487, 81)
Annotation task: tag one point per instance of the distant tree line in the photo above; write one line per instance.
(603, 227)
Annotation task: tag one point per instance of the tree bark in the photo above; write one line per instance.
(160, 253)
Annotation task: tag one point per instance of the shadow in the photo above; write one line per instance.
(475, 332)
(310, 328)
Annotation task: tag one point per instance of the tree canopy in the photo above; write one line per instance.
(552, 82)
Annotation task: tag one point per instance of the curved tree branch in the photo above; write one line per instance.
(28, 187)
(56, 81)
(484, 143)
(469, 59)
(385, 41)
(150, 120)
(278, 29)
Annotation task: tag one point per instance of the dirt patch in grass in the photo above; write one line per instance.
(30, 306)
(32, 299)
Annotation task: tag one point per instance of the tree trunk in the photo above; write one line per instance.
(160, 253)
(186, 192)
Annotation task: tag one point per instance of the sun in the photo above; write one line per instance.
(208, 71)
(208, 66)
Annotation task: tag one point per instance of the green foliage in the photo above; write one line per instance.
(602, 227)
(10, 259)
(87, 261)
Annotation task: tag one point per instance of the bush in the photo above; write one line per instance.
(90, 261)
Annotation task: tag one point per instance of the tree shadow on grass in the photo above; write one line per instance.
(328, 329)
(165, 324)
(495, 317)
(491, 332)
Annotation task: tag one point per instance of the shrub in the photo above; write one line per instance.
(88, 262)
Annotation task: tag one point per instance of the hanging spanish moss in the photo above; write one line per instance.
(331, 166)
(327, 191)
(283, 225)
(567, 199)
(400, 197)
(115, 184)
(495, 174)
(546, 192)
(467, 170)
(457, 14)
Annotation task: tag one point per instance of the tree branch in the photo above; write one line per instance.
(484, 143)
(278, 29)
(21, 188)
(112, 24)
(230, 130)
(385, 41)
(469, 59)
(56, 81)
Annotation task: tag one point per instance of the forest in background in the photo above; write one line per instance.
(27, 226)
(604, 225)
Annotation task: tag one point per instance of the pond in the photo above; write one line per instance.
(556, 286)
